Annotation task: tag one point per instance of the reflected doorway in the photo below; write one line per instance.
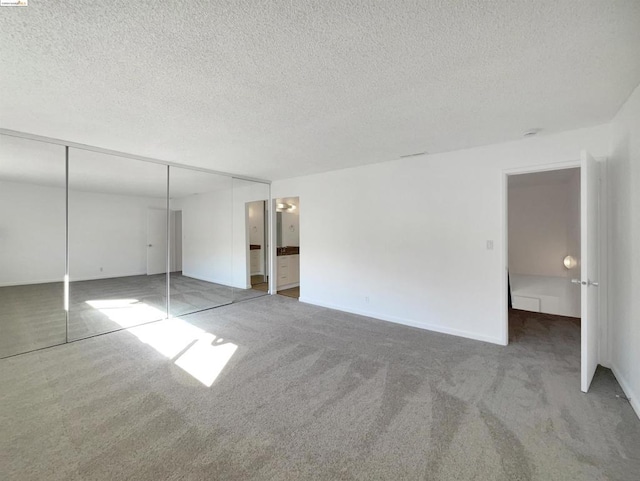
(175, 240)
(156, 241)
(258, 245)
(288, 246)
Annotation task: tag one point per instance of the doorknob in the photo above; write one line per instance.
(577, 281)
(149, 245)
(592, 283)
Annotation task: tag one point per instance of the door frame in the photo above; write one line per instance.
(529, 169)
(603, 345)
(166, 240)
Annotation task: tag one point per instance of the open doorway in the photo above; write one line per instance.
(582, 270)
(544, 262)
(175, 233)
(258, 244)
(544, 242)
(288, 246)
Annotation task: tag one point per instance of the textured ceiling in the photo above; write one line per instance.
(276, 89)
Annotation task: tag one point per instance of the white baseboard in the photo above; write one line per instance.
(96, 278)
(27, 283)
(626, 387)
(408, 322)
(75, 279)
(214, 281)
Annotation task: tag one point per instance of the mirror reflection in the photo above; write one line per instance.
(200, 203)
(209, 254)
(32, 245)
(127, 233)
(117, 242)
(251, 240)
(288, 246)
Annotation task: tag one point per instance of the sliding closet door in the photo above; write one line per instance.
(117, 243)
(250, 239)
(201, 239)
(32, 245)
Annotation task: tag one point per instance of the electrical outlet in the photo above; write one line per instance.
(489, 245)
(366, 299)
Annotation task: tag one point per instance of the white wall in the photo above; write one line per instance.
(215, 233)
(207, 243)
(291, 228)
(32, 234)
(624, 255)
(538, 229)
(544, 227)
(411, 234)
(107, 234)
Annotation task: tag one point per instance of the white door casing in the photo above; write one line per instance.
(156, 241)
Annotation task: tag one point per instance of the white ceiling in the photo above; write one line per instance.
(276, 89)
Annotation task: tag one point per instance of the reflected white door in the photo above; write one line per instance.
(156, 241)
(589, 209)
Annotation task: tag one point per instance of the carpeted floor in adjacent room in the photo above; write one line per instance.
(307, 393)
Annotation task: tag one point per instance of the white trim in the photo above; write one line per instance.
(100, 150)
(604, 344)
(78, 279)
(272, 252)
(406, 322)
(222, 283)
(28, 283)
(634, 400)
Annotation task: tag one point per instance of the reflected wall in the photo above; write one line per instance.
(200, 203)
(32, 245)
(117, 243)
(251, 240)
(137, 241)
(209, 233)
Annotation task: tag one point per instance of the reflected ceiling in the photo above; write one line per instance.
(39, 163)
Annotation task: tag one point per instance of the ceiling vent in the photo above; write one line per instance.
(414, 155)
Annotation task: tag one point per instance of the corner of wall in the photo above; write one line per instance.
(631, 395)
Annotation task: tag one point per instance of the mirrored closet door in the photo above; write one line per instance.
(200, 206)
(251, 240)
(117, 243)
(137, 241)
(32, 245)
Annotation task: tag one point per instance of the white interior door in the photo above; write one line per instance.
(589, 210)
(156, 241)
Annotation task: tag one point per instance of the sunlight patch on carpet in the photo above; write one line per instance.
(196, 351)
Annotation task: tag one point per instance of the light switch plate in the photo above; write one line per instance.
(489, 245)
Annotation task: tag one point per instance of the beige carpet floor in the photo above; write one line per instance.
(274, 389)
